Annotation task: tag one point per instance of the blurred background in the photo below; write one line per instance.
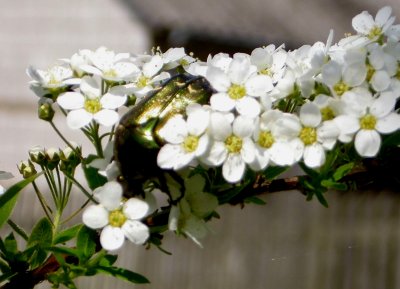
(289, 243)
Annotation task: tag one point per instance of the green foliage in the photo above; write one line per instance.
(10, 197)
(67, 234)
(40, 238)
(86, 243)
(93, 178)
(123, 274)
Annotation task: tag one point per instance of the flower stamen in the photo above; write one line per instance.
(340, 88)
(92, 105)
(236, 91)
(368, 122)
(233, 144)
(116, 218)
(190, 143)
(265, 139)
(308, 135)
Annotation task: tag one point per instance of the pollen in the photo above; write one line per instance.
(308, 135)
(266, 71)
(265, 139)
(92, 105)
(376, 31)
(190, 143)
(327, 113)
(110, 73)
(233, 144)
(143, 81)
(340, 88)
(368, 122)
(370, 72)
(236, 91)
(116, 218)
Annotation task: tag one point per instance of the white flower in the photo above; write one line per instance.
(311, 135)
(119, 220)
(186, 140)
(111, 66)
(90, 104)
(372, 28)
(238, 87)
(269, 61)
(368, 117)
(55, 77)
(232, 146)
(106, 166)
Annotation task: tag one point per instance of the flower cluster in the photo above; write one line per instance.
(282, 107)
(272, 107)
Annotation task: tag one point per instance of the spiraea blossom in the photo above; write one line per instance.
(90, 104)
(118, 219)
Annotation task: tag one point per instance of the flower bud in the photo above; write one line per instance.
(52, 157)
(37, 155)
(70, 157)
(27, 169)
(45, 111)
(131, 100)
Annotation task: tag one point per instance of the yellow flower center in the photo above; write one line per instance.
(266, 71)
(184, 62)
(340, 88)
(376, 31)
(308, 135)
(265, 139)
(53, 80)
(327, 113)
(370, 72)
(116, 218)
(236, 91)
(190, 143)
(233, 144)
(92, 105)
(368, 122)
(143, 81)
(111, 73)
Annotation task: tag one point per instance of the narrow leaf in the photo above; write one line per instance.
(67, 234)
(342, 171)
(123, 274)
(10, 197)
(274, 171)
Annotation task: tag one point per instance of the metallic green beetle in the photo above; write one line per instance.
(137, 140)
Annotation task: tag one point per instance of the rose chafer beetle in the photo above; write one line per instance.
(137, 139)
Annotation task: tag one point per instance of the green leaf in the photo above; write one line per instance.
(272, 172)
(10, 197)
(67, 234)
(11, 244)
(93, 178)
(64, 251)
(334, 185)
(108, 260)
(86, 243)
(42, 234)
(392, 139)
(254, 200)
(342, 171)
(321, 198)
(123, 274)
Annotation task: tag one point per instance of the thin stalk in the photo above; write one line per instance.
(42, 201)
(74, 214)
(17, 229)
(64, 139)
(89, 195)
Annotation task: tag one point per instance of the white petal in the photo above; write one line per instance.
(347, 124)
(173, 218)
(383, 15)
(286, 127)
(95, 217)
(153, 66)
(258, 85)
(202, 147)
(112, 101)
(383, 105)
(175, 130)
(106, 117)
(218, 79)
(222, 102)
(109, 195)
(389, 123)
(248, 150)
(90, 87)
(136, 232)
(314, 155)
(239, 69)
(112, 238)
(71, 100)
(216, 155)
(261, 159)
(243, 126)
(126, 70)
(355, 74)
(220, 126)
(363, 22)
(90, 69)
(331, 73)
(233, 168)
(248, 106)
(173, 156)
(367, 143)
(282, 154)
(310, 115)
(78, 118)
(136, 209)
(380, 80)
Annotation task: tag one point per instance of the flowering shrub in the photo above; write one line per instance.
(202, 134)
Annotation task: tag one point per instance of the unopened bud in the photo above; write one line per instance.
(37, 155)
(52, 157)
(27, 169)
(70, 157)
(45, 111)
